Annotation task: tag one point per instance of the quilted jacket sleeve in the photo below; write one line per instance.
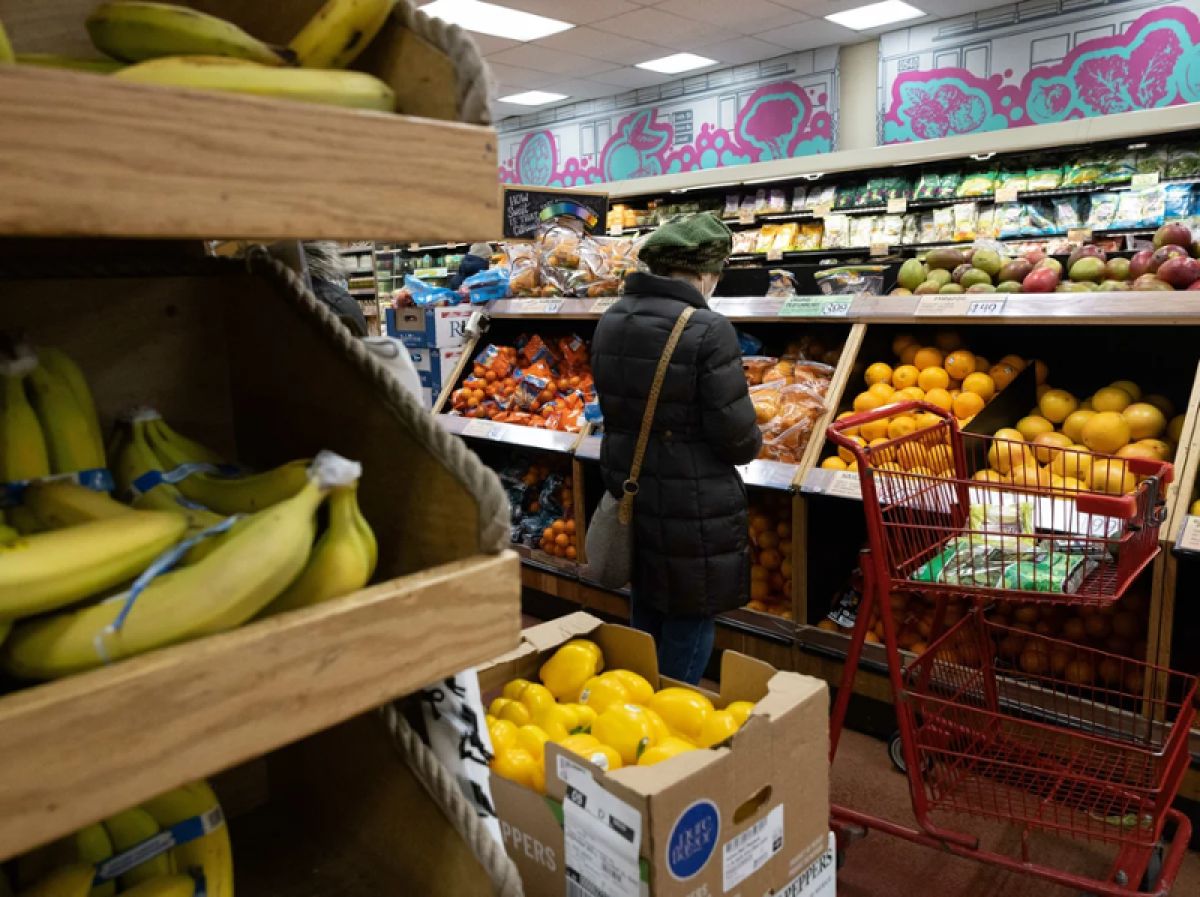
(730, 426)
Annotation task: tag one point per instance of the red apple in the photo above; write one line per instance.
(1139, 263)
(1173, 234)
(1162, 255)
(1040, 280)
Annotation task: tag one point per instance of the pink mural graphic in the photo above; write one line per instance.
(1152, 64)
(777, 121)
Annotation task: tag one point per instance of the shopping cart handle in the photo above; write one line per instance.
(835, 431)
(1121, 507)
(1143, 467)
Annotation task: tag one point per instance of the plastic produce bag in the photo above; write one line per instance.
(424, 294)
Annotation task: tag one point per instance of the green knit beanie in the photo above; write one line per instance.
(700, 243)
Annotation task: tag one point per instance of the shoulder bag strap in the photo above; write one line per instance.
(630, 486)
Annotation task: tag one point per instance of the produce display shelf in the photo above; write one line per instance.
(93, 156)
(153, 722)
(762, 473)
(510, 434)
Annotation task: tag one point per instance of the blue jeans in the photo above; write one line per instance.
(684, 643)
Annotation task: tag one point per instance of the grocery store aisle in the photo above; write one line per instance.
(864, 778)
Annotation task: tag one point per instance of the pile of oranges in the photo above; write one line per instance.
(558, 539)
(771, 555)
(610, 718)
(913, 613)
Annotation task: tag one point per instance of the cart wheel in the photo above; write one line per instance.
(896, 752)
(1153, 869)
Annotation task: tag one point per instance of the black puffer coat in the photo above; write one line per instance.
(691, 539)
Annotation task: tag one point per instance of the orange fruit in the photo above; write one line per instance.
(1162, 403)
(968, 404)
(960, 363)
(909, 394)
(1075, 463)
(874, 430)
(885, 391)
(880, 454)
(901, 341)
(1032, 425)
(1111, 398)
(1056, 405)
(833, 462)
(980, 384)
(927, 419)
(1111, 476)
(848, 456)
(928, 357)
(1010, 434)
(941, 398)
(1138, 450)
(1106, 432)
(908, 353)
(1175, 428)
(901, 426)
(878, 373)
(1135, 391)
(1145, 421)
(1073, 425)
(867, 401)
(933, 378)
(905, 376)
(940, 460)
(912, 455)
(1040, 371)
(982, 365)
(989, 476)
(1015, 360)
(948, 340)
(851, 431)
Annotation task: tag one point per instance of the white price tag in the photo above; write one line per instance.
(984, 308)
(942, 306)
(1007, 193)
(845, 484)
(1144, 180)
(745, 216)
(1189, 536)
(897, 205)
(745, 854)
(484, 429)
(815, 307)
(879, 249)
(1079, 235)
(600, 306)
(616, 230)
(820, 211)
(774, 255)
(819, 879)
(536, 306)
(603, 838)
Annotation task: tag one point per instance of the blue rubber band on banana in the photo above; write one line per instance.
(182, 832)
(98, 479)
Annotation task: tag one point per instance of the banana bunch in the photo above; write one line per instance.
(340, 30)
(132, 31)
(196, 852)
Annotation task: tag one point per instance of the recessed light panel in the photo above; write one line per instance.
(533, 98)
(875, 15)
(679, 62)
(499, 21)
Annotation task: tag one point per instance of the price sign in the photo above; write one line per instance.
(413, 247)
(774, 255)
(536, 306)
(815, 307)
(1144, 180)
(745, 216)
(616, 230)
(822, 210)
(600, 306)
(942, 306)
(1007, 193)
(1079, 234)
(484, 429)
(985, 308)
(844, 484)
(897, 205)
(879, 249)
(1189, 536)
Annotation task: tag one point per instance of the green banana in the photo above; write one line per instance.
(252, 565)
(71, 440)
(340, 30)
(23, 454)
(356, 90)
(61, 365)
(71, 63)
(93, 845)
(340, 563)
(129, 828)
(74, 880)
(62, 503)
(210, 853)
(164, 886)
(132, 31)
(174, 449)
(6, 50)
(46, 571)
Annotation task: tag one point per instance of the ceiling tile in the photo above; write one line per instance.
(577, 12)
(585, 89)
(489, 44)
(546, 59)
(739, 50)
(631, 78)
(656, 26)
(818, 9)
(742, 16)
(810, 34)
(949, 8)
(517, 75)
(615, 48)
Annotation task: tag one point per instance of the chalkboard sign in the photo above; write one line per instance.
(527, 207)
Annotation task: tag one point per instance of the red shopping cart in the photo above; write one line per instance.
(1005, 724)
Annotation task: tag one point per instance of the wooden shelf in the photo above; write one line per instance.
(90, 745)
(87, 155)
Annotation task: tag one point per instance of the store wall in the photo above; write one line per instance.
(1035, 63)
(858, 68)
(775, 109)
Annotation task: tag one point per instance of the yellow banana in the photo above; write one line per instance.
(134, 459)
(133, 31)
(356, 90)
(46, 571)
(129, 828)
(62, 503)
(74, 880)
(72, 442)
(340, 563)
(174, 449)
(6, 50)
(23, 454)
(340, 30)
(211, 853)
(164, 886)
(94, 846)
(71, 63)
(253, 564)
(60, 364)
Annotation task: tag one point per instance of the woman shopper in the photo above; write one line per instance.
(690, 528)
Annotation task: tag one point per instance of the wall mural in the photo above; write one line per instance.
(1151, 63)
(777, 120)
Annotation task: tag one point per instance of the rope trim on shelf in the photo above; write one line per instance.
(474, 87)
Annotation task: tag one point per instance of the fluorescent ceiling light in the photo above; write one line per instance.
(533, 98)
(679, 62)
(875, 15)
(500, 21)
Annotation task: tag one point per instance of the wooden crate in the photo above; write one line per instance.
(235, 361)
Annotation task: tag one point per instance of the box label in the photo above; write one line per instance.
(693, 839)
(1189, 536)
(748, 852)
(819, 879)
(602, 835)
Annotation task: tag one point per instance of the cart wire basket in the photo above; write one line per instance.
(1030, 740)
(973, 515)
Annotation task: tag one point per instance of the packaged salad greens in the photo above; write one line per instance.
(1103, 210)
(1183, 162)
(1043, 177)
(1082, 174)
(1119, 166)
(977, 183)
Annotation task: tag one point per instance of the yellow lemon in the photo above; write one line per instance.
(1032, 425)
(1072, 427)
(682, 709)
(1106, 432)
(666, 749)
(1111, 398)
(1057, 404)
